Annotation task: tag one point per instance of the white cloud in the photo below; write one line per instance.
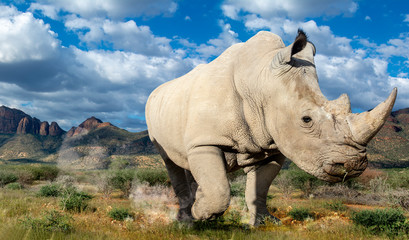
(396, 47)
(127, 68)
(105, 8)
(295, 9)
(126, 36)
(406, 18)
(68, 85)
(214, 47)
(23, 38)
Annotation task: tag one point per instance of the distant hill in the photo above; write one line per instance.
(390, 147)
(91, 145)
(95, 144)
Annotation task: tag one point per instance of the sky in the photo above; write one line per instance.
(67, 60)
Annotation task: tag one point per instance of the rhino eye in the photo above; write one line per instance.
(306, 119)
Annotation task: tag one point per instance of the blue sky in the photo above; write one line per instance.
(67, 60)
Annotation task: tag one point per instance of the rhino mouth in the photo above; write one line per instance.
(345, 170)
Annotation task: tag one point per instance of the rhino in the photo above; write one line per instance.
(252, 107)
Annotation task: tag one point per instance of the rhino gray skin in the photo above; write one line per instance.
(251, 107)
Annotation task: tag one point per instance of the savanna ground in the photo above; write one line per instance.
(45, 202)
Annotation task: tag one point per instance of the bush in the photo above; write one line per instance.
(45, 172)
(74, 200)
(120, 214)
(398, 178)
(51, 221)
(6, 178)
(119, 163)
(51, 190)
(336, 206)
(389, 221)
(14, 186)
(153, 176)
(25, 177)
(302, 180)
(122, 179)
(300, 214)
(284, 182)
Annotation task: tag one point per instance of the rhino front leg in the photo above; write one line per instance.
(208, 168)
(259, 179)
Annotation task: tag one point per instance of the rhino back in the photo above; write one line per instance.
(203, 106)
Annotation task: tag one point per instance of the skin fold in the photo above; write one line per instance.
(251, 107)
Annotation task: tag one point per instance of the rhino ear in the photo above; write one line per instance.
(285, 54)
(299, 43)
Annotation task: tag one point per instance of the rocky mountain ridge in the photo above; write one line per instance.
(14, 121)
(90, 124)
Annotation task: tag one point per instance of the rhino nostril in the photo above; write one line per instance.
(336, 169)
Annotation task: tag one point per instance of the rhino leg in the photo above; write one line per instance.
(259, 179)
(182, 184)
(208, 168)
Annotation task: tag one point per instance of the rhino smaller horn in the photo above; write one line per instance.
(341, 105)
(364, 126)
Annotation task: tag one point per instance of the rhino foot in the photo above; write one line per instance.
(185, 215)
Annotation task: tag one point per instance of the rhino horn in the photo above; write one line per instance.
(364, 126)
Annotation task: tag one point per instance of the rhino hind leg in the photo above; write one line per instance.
(259, 179)
(182, 185)
(213, 193)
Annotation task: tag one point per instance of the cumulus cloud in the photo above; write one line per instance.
(213, 47)
(105, 8)
(126, 36)
(40, 45)
(295, 9)
(68, 84)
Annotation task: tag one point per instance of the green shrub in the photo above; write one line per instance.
(51, 221)
(74, 200)
(6, 178)
(302, 180)
(51, 190)
(300, 214)
(122, 180)
(120, 214)
(336, 206)
(389, 221)
(14, 186)
(398, 178)
(119, 163)
(45, 172)
(153, 176)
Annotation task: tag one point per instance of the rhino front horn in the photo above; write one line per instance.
(364, 126)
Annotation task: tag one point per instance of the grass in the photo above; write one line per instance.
(26, 215)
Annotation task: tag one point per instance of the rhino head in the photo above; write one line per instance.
(322, 137)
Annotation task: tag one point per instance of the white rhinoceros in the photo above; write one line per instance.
(251, 107)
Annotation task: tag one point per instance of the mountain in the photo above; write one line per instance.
(90, 124)
(390, 147)
(95, 144)
(14, 121)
